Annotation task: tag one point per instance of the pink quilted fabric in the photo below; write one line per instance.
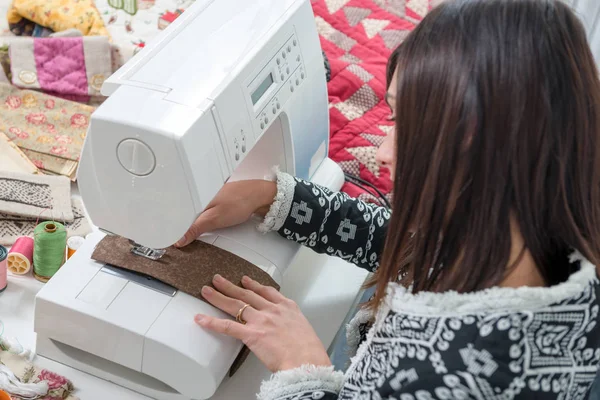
(358, 36)
(60, 65)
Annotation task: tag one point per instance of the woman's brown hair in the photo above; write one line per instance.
(497, 110)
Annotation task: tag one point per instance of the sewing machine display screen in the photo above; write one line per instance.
(262, 88)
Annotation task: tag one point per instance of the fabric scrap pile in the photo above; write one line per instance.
(127, 25)
(41, 138)
(44, 17)
(55, 56)
(27, 199)
(59, 47)
(22, 379)
(47, 130)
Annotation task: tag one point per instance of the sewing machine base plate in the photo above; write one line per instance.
(106, 370)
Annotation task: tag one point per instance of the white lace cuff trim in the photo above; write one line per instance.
(363, 316)
(305, 378)
(282, 203)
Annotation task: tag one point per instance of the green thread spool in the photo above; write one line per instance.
(49, 247)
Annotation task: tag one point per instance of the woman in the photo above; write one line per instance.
(486, 286)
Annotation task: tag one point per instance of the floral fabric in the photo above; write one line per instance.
(60, 388)
(57, 15)
(133, 23)
(49, 130)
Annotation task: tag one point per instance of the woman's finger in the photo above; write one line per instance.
(229, 305)
(267, 292)
(224, 326)
(206, 222)
(246, 296)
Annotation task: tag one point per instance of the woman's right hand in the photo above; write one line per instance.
(233, 205)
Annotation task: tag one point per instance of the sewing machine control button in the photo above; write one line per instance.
(283, 54)
(298, 58)
(262, 125)
(278, 61)
(237, 156)
(291, 89)
(302, 75)
(274, 110)
(289, 48)
(136, 157)
(278, 106)
(266, 120)
(295, 43)
(282, 77)
(287, 70)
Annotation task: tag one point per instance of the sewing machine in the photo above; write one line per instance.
(229, 90)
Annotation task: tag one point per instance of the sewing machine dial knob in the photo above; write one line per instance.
(136, 157)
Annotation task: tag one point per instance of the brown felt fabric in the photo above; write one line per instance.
(187, 269)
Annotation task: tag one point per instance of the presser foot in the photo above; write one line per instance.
(152, 254)
(139, 250)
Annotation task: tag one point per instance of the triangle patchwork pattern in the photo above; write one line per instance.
(351, 59)
(359, 71)
(366, 156)
(334, 6)
(396, 7)
(419, 6)
(338, 38)
(359, 103)
(377, 140)
(357, 57)
(392, 37)
(350, 167)
(387, 129)
(355, 14)
(373, 26)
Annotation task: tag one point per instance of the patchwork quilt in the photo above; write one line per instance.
(358, 36)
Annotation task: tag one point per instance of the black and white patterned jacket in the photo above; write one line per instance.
(500, 343)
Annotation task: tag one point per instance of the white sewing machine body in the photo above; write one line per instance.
(230, 89)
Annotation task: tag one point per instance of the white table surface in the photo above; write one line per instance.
(325, 288)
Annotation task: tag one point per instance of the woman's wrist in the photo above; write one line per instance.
(267, 191)
(275, 201)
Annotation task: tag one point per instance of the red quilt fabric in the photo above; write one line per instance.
(358, 36)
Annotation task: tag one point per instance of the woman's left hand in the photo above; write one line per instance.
(275, 329)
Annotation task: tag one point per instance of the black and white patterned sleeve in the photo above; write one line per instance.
(328, 222)
(308, 382)
(323, 383)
